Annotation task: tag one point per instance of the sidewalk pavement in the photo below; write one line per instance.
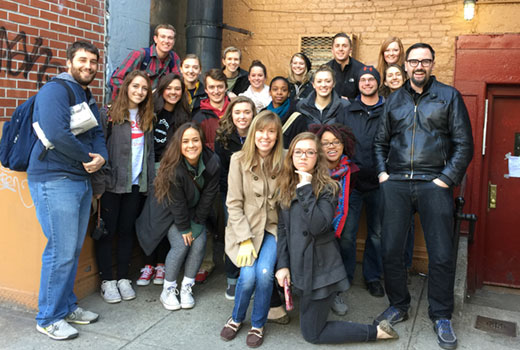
(144, 324)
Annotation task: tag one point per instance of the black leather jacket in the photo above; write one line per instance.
(425, 139)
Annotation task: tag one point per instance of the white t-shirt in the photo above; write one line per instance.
(261, 99)
(137, 147)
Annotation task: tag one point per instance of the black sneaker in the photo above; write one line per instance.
(392, 315)
(445, 335)
(375, 289)
(230, 291)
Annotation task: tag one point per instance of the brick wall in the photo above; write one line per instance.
(34, 36)
(277, 26)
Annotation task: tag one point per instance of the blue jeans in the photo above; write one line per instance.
(257, 278)
(372, 260)
(62, 208)
(435, 207)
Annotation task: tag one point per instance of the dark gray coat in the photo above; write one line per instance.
(306, 242)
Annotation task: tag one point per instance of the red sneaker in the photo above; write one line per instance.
(159, 274)
(147, 274)
(201, 276)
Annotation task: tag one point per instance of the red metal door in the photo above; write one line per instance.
(502, 224)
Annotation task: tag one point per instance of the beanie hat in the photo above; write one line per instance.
(308, 63)
(372, 71)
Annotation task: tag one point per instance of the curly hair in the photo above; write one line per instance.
(288, 179)
(341, 132)
(226, 127)
(170, 160)
(118, 111)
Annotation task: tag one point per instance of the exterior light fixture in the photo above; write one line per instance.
(469, 9)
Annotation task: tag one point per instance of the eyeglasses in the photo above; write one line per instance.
(310, 153)
(328, 144)
(367, 80)
(425, 63)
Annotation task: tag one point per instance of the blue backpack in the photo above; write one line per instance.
(18, 136)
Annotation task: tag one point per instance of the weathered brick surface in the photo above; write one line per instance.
(278, 26)
(34, 36)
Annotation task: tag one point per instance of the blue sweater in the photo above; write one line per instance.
(52, 112)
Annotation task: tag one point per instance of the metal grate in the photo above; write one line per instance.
(496, 326)
(317, 48)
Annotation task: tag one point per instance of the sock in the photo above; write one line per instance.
(188, 281)
(168, 284)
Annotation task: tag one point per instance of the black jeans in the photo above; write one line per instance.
(435, 207)
(119, 211)
(315, 328)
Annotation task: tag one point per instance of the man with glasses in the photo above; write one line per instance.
(422, 149)
(363, 118)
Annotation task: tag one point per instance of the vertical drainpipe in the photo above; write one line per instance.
(204, 31)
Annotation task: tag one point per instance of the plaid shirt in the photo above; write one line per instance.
(155, 69)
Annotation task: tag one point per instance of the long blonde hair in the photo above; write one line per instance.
(274, 161)
(306, 74)
(381, 63)
(288, 179)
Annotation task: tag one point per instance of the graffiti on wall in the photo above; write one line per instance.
(10, 55)
(11, 182)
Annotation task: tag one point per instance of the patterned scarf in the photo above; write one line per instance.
(342, 174)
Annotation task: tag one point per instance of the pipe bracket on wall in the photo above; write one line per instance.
(238, 30)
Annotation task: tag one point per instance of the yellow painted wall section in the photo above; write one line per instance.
(277, 26)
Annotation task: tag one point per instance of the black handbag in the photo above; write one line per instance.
(100, 230)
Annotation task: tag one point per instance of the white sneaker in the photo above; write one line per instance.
(109, 292)
(81, 316)
(125, 289)
(187, 301)
(169, 299)
(59, 330)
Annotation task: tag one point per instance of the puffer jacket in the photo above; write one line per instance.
(424, 140)
(364, 121)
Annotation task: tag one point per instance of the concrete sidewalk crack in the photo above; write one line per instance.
(424, 281)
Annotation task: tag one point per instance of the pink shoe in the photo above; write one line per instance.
(159, 274)
(147, 274)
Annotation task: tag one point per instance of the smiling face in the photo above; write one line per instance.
(232, 61)
(216, 90)
(190, 70)
(83, 67)
(172, 94)
(137, 91)
(298, 66)
(419, 75)
(367, 85)
(164, 41)
(341, 49)
(305, 155)
(392, 52)
(242, 115)
(393, 78)
(191, 146)
(265, 139)
(257, 78)
(333, 148)
(323, 84)
(279, 92)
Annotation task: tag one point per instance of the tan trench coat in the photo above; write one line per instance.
(251, 207)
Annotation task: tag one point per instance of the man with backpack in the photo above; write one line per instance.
(156, 60)
(59, 182)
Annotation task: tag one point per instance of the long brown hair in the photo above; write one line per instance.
(170, 160)
(274, 161)
(119, 113)
(381, 63)
(226, 127)
(163, 84)
(288, 179)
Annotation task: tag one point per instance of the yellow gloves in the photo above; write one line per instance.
(244, 253)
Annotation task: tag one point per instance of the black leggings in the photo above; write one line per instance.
(119, 211)
(315, 328)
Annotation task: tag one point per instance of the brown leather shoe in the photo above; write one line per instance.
(230, 330)
(255, 337)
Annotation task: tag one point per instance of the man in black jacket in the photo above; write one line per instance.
(363, 118)
(345, 67)
(237, 78)
(422, 149)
